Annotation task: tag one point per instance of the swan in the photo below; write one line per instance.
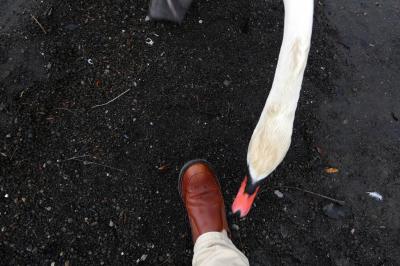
(272, 135)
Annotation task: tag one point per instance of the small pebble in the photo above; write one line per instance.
(71, 26)
(278, 194)
(227, 83)
(336, 211)
(149, 42)
(111, 224)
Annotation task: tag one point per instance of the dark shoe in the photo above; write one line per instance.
(202, 197)
(172, 10)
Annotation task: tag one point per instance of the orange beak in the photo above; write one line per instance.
(243, 201)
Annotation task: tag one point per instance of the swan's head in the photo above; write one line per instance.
(245, 197)
(268, 146)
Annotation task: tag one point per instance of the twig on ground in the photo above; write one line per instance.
(99, 164)
(110, 101)
(75, 157)
(228, 111)
(198, 103)
(168, 258)
(12, 155)
(68, 110)
(40, 25)
(340, 202)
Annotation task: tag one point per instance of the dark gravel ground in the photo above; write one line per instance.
(89, 186)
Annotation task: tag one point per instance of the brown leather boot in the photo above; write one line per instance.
(201, 194)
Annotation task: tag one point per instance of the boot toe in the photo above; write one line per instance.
(201, 194)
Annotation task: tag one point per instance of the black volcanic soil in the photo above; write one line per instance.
(82, 184)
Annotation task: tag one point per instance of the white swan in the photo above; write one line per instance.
(272, 136)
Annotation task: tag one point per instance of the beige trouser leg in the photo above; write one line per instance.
(215, 248)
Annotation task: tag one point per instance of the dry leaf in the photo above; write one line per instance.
(163, 168)
(331, 170)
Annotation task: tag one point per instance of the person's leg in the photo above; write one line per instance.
(215, 248)
(201, 194)
(170, 10)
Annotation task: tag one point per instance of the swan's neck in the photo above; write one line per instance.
(271, 138)
(293, 56)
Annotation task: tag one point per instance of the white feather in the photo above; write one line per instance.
(375, 195)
